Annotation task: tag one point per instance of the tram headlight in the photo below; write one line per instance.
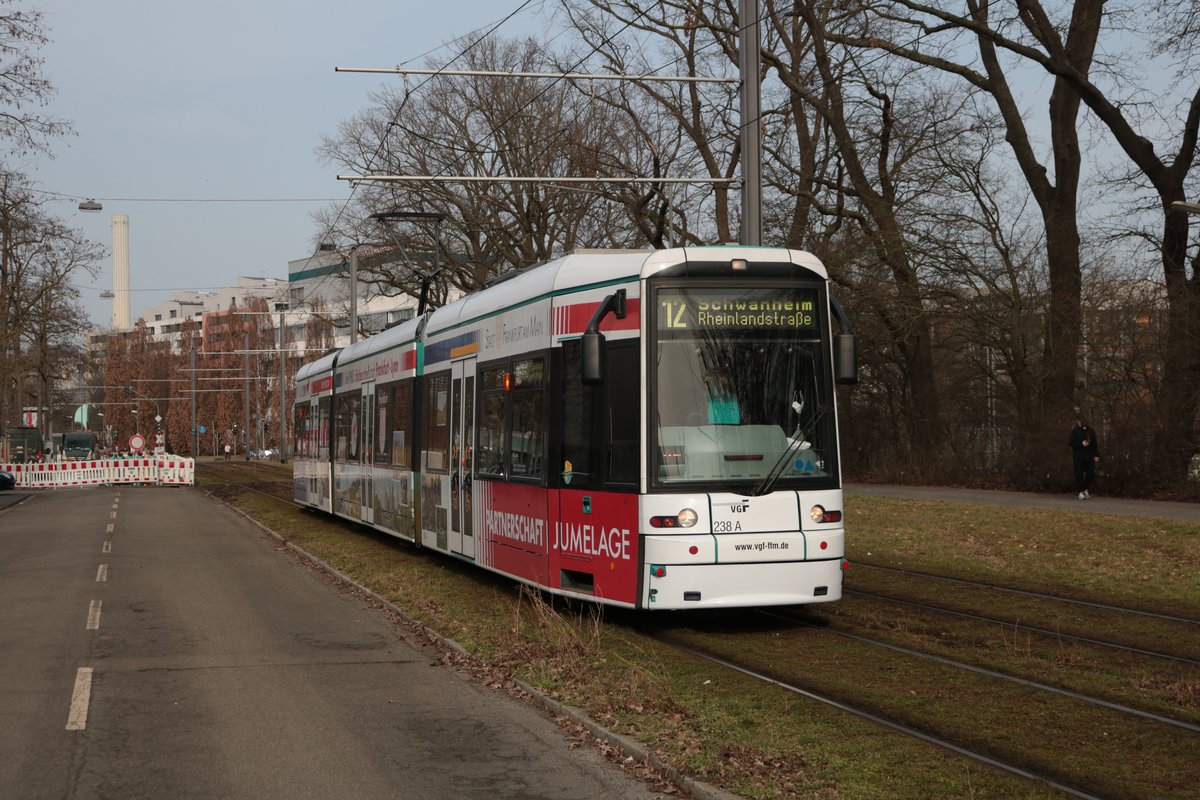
(684, 519)
(820, 515)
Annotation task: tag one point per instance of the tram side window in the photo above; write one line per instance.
(437, 422)
(401, 434)
(314, 435)
(347, 425)
(323, 429)
(300, 432)
(383, 420)
(491, 432)
(577, 420)
(621, 384)
(527, 446)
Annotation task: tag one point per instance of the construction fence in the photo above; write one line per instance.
(147, 470)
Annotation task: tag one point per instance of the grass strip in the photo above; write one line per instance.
(762, 742)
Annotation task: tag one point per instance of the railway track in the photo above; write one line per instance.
(931, 600)
(866, 713)
(884, 659)
(1075, 742)
(1126, 656)
(251, 477)
(994, 587)
(1027, 628)
(965, 665)
(1044, 703)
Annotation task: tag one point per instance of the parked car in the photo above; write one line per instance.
(7, 480)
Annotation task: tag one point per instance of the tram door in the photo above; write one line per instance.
(462, 456)
(366, 451)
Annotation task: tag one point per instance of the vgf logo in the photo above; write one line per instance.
(739, 508)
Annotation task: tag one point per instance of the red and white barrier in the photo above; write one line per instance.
(157, 470)
(174, 471)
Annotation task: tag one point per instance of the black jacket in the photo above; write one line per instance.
(1080, 434)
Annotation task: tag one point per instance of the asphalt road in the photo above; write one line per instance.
(11, 497)
(154, 645)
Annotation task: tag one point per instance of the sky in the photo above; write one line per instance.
(200, 122)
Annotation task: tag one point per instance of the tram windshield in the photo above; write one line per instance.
(742, 387)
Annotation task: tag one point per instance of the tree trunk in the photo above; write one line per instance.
(1179, 392)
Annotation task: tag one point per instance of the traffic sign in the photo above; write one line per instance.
(137, 442)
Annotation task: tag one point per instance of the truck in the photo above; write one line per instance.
(23, 444)
(78, 444)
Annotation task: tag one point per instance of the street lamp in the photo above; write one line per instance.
(329, 247)
(283, 415)
(90, 205)
(103, 430)
(157, 414)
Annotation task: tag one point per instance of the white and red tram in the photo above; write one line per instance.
(649, 429)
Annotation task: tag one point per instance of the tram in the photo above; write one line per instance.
(647, 429)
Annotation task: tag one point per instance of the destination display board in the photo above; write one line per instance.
(736, 309)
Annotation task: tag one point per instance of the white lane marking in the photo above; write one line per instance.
(93, 622)
(81, 698)
(110, 527)
(113, 515)
(107, 547)
(102, 574)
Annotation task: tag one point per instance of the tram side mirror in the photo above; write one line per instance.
(592, 343)
(845, 358)
(592, 353)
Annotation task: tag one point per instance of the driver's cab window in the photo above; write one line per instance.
(624, 412)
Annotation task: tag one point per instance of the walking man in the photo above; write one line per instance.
(1085, 454)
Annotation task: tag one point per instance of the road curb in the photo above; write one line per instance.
(12, 498)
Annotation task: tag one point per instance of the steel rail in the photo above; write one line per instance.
(1030, 593)
(882, 721)
(949, 662)
(1023, 627)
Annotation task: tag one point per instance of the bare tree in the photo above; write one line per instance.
(687, 129)
(178, 416)
(50, 331)
(118, 371)
(23, 87)
(1142, 126)
(33, 265)
(902, 28)
(39, 312)
(318, 330)
(986, 271)
(875, 147)
(485, 126)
